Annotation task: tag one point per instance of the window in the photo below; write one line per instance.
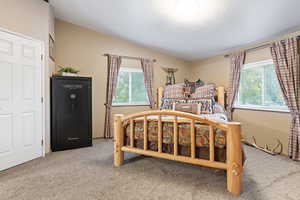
(259, 87)
(130, 88)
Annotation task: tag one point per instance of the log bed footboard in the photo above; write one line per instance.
(233, 164)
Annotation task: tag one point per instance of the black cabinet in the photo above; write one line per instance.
(71, 112)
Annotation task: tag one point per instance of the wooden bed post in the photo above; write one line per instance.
(234, 158)
(221, 96)
(160, 94)
(118, 140)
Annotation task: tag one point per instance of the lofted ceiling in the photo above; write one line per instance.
(188, 29)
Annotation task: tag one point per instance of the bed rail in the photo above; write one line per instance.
(233, 163)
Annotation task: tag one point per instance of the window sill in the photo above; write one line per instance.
(129, 105)
(261, 109)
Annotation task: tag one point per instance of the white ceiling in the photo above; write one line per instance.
(188, 29)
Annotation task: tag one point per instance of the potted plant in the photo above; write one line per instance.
(68, 71)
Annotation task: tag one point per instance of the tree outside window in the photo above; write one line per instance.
(259, 87)
(130, 88)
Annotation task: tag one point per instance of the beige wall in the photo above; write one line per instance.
(28, 17)
(265, 126)
(83, 49)
(32, 18)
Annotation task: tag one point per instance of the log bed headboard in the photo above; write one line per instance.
(220, 95)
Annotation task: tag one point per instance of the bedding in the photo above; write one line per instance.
(179, 90)
(174, 91)
(200, 102)
(206, 91)
(184, 139)
(167, 103)
(190, 87)
(221, 117)
(219, 114)
(192, 108)
(195, 106)
(205, 105)
(204, 95)
(216, 112)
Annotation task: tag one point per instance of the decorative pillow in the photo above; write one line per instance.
(206, 91)
(167, 103)
(186, 107)
(205, 105)
(174, 91)
(190, 87)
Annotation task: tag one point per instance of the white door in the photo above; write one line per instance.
(20, 100)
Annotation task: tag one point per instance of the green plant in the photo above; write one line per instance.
(68, 70)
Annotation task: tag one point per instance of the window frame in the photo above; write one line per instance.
(131, 103)
(259, 107)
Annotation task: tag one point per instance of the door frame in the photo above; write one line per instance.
(43, 78)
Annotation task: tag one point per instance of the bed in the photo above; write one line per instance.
(205, 140)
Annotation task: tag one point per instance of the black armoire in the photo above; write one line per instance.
(71, 112)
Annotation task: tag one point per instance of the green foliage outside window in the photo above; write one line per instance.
(259, 87)
(138, 88)
(273, 92)
(130, 88)
(251, 87)
(122, 93)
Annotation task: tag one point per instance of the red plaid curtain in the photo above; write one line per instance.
(113, 67)
(147, 66)
(286, 59)
(237, 60)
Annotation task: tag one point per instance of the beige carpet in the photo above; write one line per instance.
(88, 174)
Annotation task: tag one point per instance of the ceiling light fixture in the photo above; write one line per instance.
(189, 11)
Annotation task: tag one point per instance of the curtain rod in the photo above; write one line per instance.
(253, 49)
(128, 57)
(257, 47)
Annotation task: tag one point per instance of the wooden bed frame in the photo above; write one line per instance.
(233, 165)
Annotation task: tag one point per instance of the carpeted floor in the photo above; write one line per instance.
(88, 174)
